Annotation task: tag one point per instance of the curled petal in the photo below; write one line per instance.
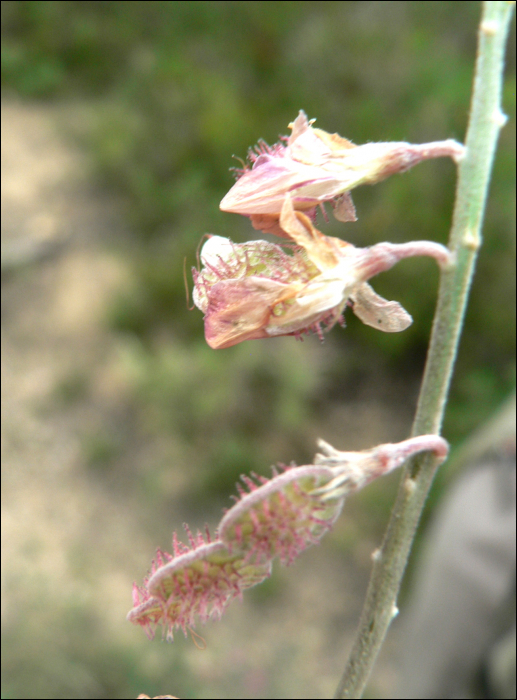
(373, 310)
(262, 189)
(240, 310)
(224, 260)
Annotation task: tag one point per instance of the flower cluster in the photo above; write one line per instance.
(277, 517)
(260, 290)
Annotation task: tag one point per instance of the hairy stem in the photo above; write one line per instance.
(485, 121)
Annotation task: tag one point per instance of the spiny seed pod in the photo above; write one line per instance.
(282, 516)
(196, 584)
(277, 517)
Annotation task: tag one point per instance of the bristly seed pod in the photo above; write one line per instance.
(195, 584)
(277, 517)
(281, 516)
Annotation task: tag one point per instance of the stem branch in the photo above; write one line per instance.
(485, 121)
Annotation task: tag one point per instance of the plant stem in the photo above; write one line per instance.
(485, 121)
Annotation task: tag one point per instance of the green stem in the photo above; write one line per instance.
(485, 121)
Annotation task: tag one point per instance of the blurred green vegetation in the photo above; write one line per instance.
(170, 91)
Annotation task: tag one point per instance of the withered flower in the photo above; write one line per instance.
(258, 290)
(315, 167)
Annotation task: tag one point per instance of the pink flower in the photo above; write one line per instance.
(314, 167)
(257, 290)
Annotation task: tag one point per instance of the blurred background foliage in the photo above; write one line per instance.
(167, 93)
